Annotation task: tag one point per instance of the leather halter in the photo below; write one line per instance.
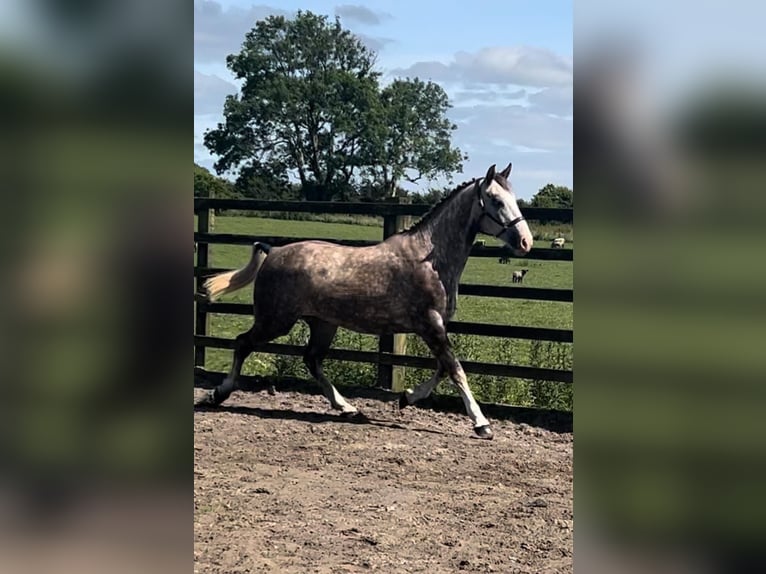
(503, 227)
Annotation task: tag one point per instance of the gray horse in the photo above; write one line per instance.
(405, 284)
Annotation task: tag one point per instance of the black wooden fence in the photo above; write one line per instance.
(393, 218)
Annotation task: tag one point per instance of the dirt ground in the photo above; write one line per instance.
(283, 484)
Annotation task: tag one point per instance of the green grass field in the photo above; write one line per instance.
(551, 274)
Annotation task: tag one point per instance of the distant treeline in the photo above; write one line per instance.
(207, 184)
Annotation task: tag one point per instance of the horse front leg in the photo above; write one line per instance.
(435, 337)
(457, 375)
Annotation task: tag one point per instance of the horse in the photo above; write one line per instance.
(518, 276)
(405, 284)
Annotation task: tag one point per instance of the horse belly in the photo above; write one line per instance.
(374, 311)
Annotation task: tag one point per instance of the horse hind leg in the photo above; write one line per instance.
(260, 332)
(424, 389)
(320, 340)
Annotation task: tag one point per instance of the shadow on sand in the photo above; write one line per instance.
(555, 421)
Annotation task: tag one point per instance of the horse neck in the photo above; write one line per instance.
(451, 232)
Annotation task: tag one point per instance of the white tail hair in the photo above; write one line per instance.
(231, 281)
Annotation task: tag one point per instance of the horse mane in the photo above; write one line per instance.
(438, 207)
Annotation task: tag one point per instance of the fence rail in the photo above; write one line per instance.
(390, 359)
(386, 358)
(461, 327)
(476, 250)
(387, 209)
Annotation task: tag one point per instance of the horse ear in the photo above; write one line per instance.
(507, 171)
(490, 175)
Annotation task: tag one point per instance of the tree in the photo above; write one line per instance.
(431, 197)
(257, 181)
(307, 87)
(553, 196)
(412, 135)
(208, 185)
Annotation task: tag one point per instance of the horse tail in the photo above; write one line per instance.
(231, 281)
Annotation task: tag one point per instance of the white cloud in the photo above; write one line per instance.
(435, 71)
(538, 144)
(373, 43)
(210, 92)
(219, 32)
(480, 125)
(519, 65)
(474, 95)
(361, 14)
(558, 101)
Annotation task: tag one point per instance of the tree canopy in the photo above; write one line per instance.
(208, 185)
(311, 107)
(553, 196)
(412, 135)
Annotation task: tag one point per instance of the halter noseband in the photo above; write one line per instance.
(503, 227)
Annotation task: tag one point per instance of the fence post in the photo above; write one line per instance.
(200, 316)
(389, 376)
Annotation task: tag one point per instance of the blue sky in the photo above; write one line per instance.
(506, 66)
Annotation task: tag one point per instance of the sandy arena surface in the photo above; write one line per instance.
(283, 484)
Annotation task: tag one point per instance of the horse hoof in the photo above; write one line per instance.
(403, 402)
(210, 399)
(484, 432)
(206, 400)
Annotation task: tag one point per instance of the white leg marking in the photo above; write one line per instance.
(424, 389)
(474, 411)
(336, 399)
(338, 402)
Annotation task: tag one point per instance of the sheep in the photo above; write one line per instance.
(558, 243)
(518, 276)
(504, 260)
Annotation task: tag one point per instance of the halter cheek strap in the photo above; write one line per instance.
(503, 227)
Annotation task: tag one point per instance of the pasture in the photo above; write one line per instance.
(551, 274)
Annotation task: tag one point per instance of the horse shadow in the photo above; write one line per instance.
(314, 417)
(555, 421)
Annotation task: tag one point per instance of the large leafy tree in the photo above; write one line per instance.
(307, 85)
(311, 108)
(412, 135)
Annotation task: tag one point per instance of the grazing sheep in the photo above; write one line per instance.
(558, 243)
(480, 243)
(518, 276)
